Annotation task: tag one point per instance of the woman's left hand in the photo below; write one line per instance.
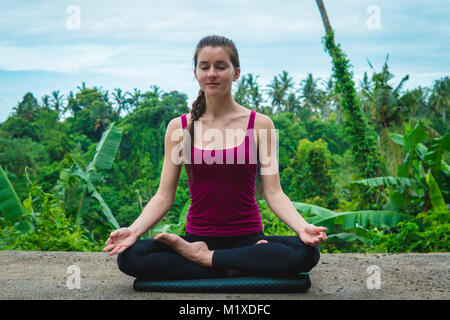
(312, 235)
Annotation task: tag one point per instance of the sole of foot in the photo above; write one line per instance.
(197, 252)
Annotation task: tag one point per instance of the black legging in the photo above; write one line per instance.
(282, 256)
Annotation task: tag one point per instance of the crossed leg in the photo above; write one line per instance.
(197, 252)
(170, 257)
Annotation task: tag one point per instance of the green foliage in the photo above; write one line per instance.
(19, 128)
(176, 228)
(290, 132)
(362, 136)
(429, 232)
(322, 173)
(422, 180)
(272, 225)
(51, 229)
(307, 176)
(10, 205)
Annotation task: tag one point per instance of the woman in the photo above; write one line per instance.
(224, 234)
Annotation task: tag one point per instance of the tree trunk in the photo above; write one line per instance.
(324, 15)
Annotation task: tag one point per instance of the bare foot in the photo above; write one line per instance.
(197, 252)
(238, 273)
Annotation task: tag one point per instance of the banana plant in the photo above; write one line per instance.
(320, 216)
(423, 172)
(11, 207)
(103, 159)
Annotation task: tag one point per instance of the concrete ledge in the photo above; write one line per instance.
(42, 275)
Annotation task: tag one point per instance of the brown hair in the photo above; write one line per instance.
(199, 105)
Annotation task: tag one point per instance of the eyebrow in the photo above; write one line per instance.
(220, 61)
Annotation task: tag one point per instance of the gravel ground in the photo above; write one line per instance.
(43, 275)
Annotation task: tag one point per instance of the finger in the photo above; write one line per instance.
(115, 234)
(122, 249)
(318, 230)
(107, 248)
(108, 241)
(114, 251)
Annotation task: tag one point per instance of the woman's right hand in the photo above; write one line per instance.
(119, 240)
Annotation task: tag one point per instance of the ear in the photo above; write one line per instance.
(237, 73)
(195, 73)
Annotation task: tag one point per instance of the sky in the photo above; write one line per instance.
(56, 45)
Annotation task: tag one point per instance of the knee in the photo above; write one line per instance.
(126, 261)
(306, 259)
(313, 258)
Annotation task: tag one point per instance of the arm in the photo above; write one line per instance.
(276, 199)
(163, 200)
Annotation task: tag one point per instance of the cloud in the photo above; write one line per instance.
(62, 58)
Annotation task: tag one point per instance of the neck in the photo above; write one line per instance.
(217, 107)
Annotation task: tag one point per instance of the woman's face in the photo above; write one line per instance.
(214, 66)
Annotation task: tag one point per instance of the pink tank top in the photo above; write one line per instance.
(223, 189)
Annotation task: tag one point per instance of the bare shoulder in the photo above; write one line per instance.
(263, 121)
(175, 123)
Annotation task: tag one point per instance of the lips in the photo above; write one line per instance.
(212, 84)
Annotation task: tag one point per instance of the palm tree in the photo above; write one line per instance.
(135, 97)
(440, 97)
(331, 98)
(242, 93)
(155, 91)
(286, 84)
(293, 103)
(309, 92)
(416, 101)
(255, 95)
(46, 101)
(83, 86)
(72, 104)
(120, 101)
(385, 104)
(57, 101)
(366, 92)
(276, 93)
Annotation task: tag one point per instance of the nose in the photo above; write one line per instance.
(212, 73)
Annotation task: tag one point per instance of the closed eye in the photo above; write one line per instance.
(221, 68)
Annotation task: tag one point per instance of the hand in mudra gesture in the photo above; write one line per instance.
(312, 235)
(119, 240)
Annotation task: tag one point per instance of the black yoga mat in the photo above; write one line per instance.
(299, 283)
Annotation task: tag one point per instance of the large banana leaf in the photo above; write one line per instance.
(106, 210)
(350, 220)
(388, 181)
(328, 218)
(438, 147)
(437, 200)
(414, 137)
(106, 148)
(10, 205)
